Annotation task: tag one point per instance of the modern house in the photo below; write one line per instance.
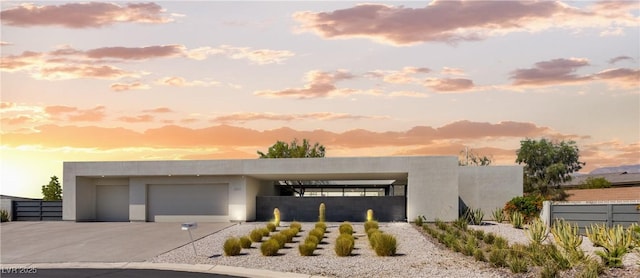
(396, 188)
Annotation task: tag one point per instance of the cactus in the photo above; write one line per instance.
(616, 242)
(369, 215)
(498, 215)
(276, 217)
(538, 231)
(321, 210)
(517, 220)
(568, 238)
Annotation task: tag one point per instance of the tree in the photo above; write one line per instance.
(52, 191)
(599, 182)
(547, 163)
(469, 158)
(283, 150)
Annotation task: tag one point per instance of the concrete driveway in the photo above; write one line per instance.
(52, 242)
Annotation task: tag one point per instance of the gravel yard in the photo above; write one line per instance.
(416, 256)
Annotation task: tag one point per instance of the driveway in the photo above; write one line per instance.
(52, 242)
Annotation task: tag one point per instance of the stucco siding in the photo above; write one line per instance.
(489, 187)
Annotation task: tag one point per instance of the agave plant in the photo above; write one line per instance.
(498, 215)
(474, 216)
(517, 219)
(538, 231)
(568, 238)
(616, 243)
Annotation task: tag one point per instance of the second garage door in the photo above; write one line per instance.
(187, 202)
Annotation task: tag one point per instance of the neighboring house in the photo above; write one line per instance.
(396, 188)
(624, 186)
(6, 202)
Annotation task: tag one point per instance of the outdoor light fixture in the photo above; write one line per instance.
(188, 227)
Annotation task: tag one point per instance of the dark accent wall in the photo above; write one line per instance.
(583, 215)
(338, 209)
(37, 210)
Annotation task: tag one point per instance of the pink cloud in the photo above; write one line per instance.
(178, 81)
(407, 75)
(449, 84)
(17, 120)
(120, 87)
(629, 78)
(620, 58)
(83, 71)
(4, 43)
(158, 110)
(557, 71)
(320, 116)
(446, 21)
(136, 53)
(75, 114)
(137, 119)
(320, 84)
(6, 105)
(83, 15)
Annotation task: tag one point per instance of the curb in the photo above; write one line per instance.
(200, 268)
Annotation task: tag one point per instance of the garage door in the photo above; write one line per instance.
(187, 202)
(112, 202)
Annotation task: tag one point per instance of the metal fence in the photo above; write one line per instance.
(37, 210)
(584, 214)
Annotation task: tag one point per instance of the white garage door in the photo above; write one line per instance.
(112, 202)
(187, 202)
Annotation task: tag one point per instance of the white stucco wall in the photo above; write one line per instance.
(489, 187)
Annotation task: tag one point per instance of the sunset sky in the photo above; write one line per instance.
(217, 80)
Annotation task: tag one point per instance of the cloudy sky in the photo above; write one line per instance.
(213, 80)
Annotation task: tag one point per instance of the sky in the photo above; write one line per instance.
(177, 80)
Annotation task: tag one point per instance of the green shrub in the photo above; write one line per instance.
(281, 239)
(441, 225)
(289, 234)
(479, 255)
(256, 235)
(264, 231)
(549, 271)
(373, 235)
(479, 234)
(591, 269)
(344, 245)
(498, 215)
(498, 257)
(517, 220)
(271, 227)
(346, 228)
(470, 246)
(461, 223)
(370, 225)
(501, 243)
(517, 264)
(452, 242)
(4, 215)
(307, 248)
(591, 183)
(232, 247)
(419, 221)
(270, 247)
(537, 231)
(245, 242)
(385, 245)
(489, 238)
(296, 225)
(529, 206)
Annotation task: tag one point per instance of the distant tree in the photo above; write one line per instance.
(469, 158)
(294, 150)
(547, 163)
(599, 182)
(52, 191)
(283, 150)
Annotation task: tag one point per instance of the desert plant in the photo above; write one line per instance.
(470, 246)
(255, 235)
(529, 206)
(296, 225)
(281, 239)
(498, 215)
(289, 234)
(616, 243)
(264, 231)
(232, 246)
(440, 224)
(271, 226)
(322, 226)
(517, 219)
(276, 217)
(590, 269)
(321, 211)
(307, 248)
(373, 235)
(370, 225)
(517, 264)
(4, 215)
(419, 220)
(489, 238)
(346, 228)
(344, 245)
(245, 242)
(452, 242)
(313, 239)
(317, 232)
(549, 271)
(461, 223)
(501, 243)
(369, 215)
(270, 247)
(568, 238)
(385, 245)
(479, 234)
(479, 256)
(474, 216)
(498, 257)
(537, 231)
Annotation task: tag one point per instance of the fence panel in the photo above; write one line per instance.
(584, 214)
(37, 210)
